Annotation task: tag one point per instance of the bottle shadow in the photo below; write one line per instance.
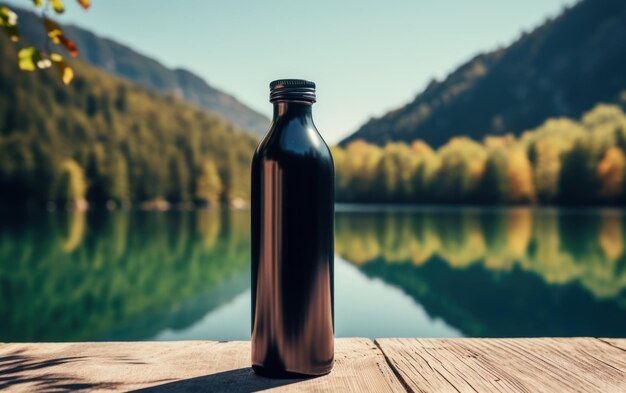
(241, 380)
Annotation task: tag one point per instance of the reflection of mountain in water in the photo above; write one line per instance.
(78, 277)
(484, 303)
(499, 273)
(129, 275)
(183, 315)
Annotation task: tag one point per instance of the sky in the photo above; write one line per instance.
(366, 57)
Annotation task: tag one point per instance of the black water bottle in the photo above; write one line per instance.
(292, 240)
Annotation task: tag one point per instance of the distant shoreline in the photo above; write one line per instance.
(340, 207)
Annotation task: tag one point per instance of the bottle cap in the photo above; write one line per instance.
(292, 90)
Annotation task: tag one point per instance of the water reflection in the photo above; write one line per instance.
(517, 272)
(117, 275)
(428, 272)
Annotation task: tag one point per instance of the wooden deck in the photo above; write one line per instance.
(362, 365)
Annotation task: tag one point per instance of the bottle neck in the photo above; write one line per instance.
(293, 109)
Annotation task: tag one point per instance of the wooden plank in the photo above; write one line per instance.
(507, 365)
(615, 342)
(180, 366)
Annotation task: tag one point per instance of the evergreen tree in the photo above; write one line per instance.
(493, 186)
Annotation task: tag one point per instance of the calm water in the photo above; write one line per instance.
(428, 272)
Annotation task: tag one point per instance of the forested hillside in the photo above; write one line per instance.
(562, 68)
(104, 139)
(563, 161)
(123, 61)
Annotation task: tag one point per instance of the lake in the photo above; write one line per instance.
(399, 272)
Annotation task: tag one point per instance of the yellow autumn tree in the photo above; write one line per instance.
(611, 171)
(73, 185)
(520, 186)
(209, 185)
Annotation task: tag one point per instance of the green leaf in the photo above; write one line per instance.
(28, 58)
(58, 6)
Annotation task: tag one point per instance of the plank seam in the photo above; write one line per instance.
(395, 371)
(605, 363)
(610, 344)
(450, 383)
(442, 365)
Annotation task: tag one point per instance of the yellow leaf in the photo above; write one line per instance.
(65, 71)
(54, 30)
(67, 74)
(8, 22)
(58, 6)
(7, 17)
(58, 37)
(38, 3)
(28, 58)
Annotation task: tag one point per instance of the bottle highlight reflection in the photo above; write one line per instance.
(292, 240)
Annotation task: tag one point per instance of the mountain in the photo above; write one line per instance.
(125, 62)
(562, 68)
(105, 139)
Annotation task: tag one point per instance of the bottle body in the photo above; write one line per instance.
(292, 247)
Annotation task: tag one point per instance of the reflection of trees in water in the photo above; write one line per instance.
(561, 247)
(471, 267)
(76, 276)
(486, 303)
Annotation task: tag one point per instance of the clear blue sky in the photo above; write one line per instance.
(366, 57)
